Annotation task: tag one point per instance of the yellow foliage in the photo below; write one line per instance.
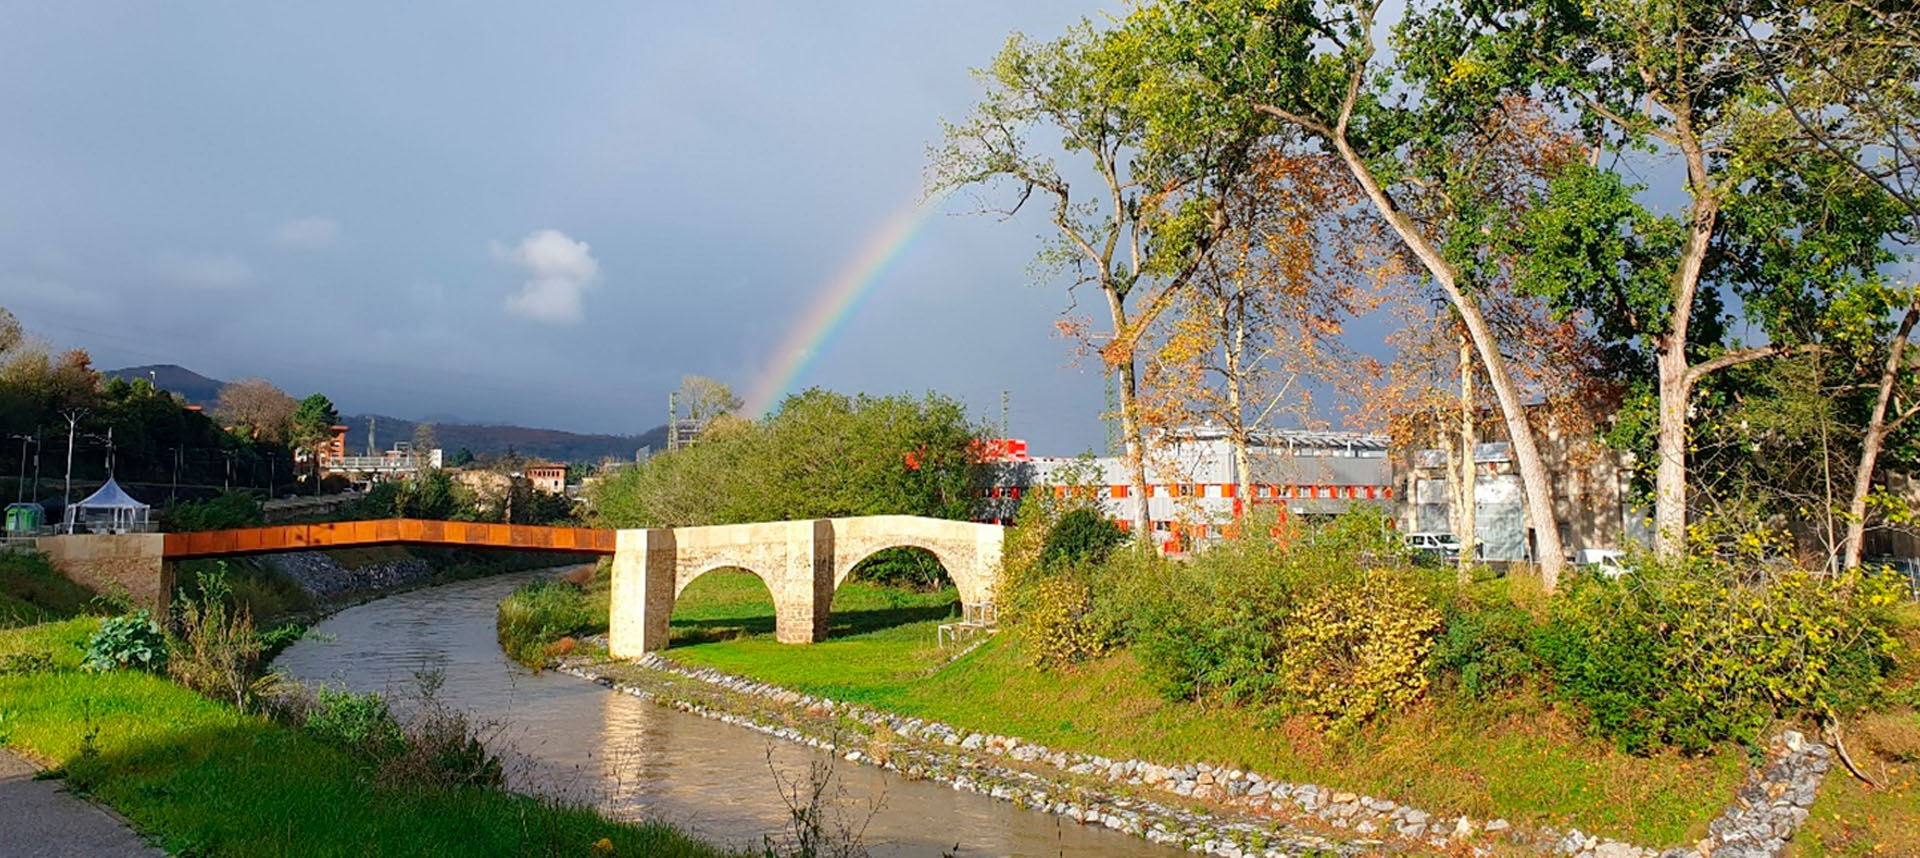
(1357, 648)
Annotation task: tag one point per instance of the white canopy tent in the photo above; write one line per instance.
(109, 510)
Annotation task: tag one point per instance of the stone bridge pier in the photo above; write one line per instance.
(802, 563)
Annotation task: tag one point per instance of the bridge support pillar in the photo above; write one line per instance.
(804, 595)
(644, 565)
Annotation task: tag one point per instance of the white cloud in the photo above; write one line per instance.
(561, 269)
(203, 270)
(306, 232)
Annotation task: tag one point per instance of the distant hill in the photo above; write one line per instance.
(198, 389)
(535, 443)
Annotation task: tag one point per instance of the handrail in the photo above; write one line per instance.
(343, 534)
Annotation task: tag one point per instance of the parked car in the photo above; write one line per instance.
(1605, 561)
(1433, 547)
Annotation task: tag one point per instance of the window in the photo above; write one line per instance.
(1162, 526)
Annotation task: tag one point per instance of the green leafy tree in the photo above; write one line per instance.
(1432, 154)
(1785, 232)
(312, 428)
(820, 454)
(1160, 156)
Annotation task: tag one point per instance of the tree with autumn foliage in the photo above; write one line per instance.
(1265, 316)
(1159, 158)
(255, 407)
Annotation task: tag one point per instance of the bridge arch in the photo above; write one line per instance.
(801, 562)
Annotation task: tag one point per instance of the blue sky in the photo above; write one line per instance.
(543, 214)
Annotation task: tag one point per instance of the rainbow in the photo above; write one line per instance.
(836, 302)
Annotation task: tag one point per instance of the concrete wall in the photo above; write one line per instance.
(129, 564)
(801, 563)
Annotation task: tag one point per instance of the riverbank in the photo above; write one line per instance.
(203, 778)
(1518, 759)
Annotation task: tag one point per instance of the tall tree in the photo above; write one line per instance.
(1262, 320)
(1845, 75)
(705, 399)
(264, 412)
(1399, 132)
(1158, 158)
(423, 444)
(312, 430)
(1670, 82)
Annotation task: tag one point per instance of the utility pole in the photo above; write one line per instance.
(1005, 432)
(370, 447)
(39, 453)
(66, 494)
(23, 466)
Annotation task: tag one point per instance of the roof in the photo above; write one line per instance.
(110, 496)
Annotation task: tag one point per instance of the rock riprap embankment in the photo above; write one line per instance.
(325, 580)
(1201, 807)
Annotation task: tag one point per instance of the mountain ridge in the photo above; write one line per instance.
(479, 438)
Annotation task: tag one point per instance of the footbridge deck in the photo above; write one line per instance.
(347, 534)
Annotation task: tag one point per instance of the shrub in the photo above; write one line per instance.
(908, 568)
(438, 747)
(218, 651)
(1688, 655)
(1356, 646)
(1486, 645)
(537, 614)
(1212, 624)
(1082, 535)
(129, 640)
(361, 723)
(228, 510)
(1058, 623)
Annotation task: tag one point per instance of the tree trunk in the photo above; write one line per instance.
(1676, 377)
(1526, 454)
(1136, 455)
(1469, 538)
(1876, 436)
(1670, 478)
(1237, 418)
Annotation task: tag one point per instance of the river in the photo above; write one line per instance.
(635, 759)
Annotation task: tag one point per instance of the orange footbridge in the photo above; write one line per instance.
(390, 531)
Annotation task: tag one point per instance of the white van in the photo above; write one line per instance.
(1434, 545)
(1606, 561)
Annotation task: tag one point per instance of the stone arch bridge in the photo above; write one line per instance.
(802, 563)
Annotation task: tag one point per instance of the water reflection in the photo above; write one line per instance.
(635, 759)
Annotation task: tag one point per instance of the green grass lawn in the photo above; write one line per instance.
(1519, 759)
(877, 637)
(202, 778)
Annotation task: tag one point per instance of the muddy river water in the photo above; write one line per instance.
(570, 738)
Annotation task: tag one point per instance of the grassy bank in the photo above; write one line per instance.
(32, 592)
(1520, 758)
(725, 605)
(202, 778)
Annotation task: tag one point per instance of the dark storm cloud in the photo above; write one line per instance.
(506, 212)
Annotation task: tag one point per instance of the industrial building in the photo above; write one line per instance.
(1193, 479)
